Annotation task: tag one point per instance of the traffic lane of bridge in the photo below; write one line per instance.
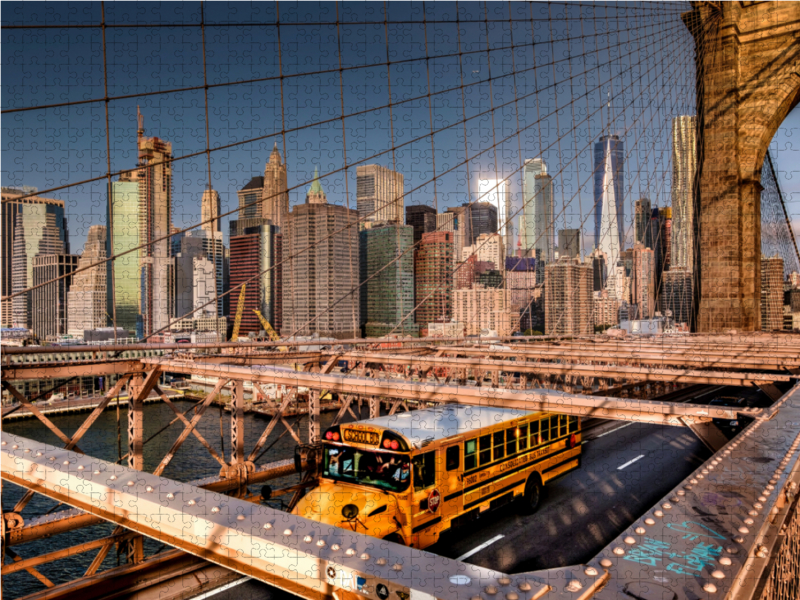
(623, 474)
(579, 514)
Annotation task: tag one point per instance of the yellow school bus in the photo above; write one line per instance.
(410, 476)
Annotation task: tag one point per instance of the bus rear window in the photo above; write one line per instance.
(470, 454)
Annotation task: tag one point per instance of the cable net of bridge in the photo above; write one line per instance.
(563, 116)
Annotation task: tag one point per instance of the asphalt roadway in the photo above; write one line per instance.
(624, 472)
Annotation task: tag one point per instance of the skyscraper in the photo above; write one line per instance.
(771, 293)
(497, 193)
(249, 196)
(40, 228)
(433, 266)
(275, 193)
(49, 302)
(609, 205)
(155, 220)
(387, 280)
(316, 195)
(569, 307)
(379, 194)
(642, 216)
(12, 206)
(210, 209)
(483, 217)
(677, 294)
(87, 300)
(422, 218)
(609, 208)
(538, 209)
(481, 308)
(256, 252)
(123, 273)
(320, 272)
(569, 243)
(684, 167)
(193, 246)
(643, 289)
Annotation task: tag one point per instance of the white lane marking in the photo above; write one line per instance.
(225, 587)
(630, 462)
(613, 430)
(481, 547)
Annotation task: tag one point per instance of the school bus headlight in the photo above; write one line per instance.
(349, 511)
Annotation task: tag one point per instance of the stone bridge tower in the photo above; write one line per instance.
(748, 80)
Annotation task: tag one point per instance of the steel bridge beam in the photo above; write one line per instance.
(289, 552)
(632, 374)
(663, 413)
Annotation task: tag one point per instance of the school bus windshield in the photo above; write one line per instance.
(384, 470)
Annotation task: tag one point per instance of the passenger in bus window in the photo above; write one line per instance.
(402, 473)
(333, 464)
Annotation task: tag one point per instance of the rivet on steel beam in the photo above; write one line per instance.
(718, 574)
(490, 589)
(397, 567)
(287, 532)
(66, 462)
(240, 517)
(641, 530)
(96, 472)
(4, 443)
(191, 503)
(170, 496)
(619, 551)
(604, 562)
(524, 586)
(365, 556)
(629, 540)
(666, 506)
(658, 513)
(590, 571)
(744, 530)
(732, 549)
(761, 552)
(739, 539)
(700, 477)
(113, 478)
(131, 482)
(683, 493)
(81, 467)
(693, 481)
(350, 552)
(649, 521)
(381, 561)
(770, 486)
(725, 561)
(51, 458)
(15, 446)
(307, 539)
(38, 454)
(574, 586)
(512, 596)
(762, 498)
(149, 488)
(710, 588)
(334, 547)
(748, 521)
(753, 513)
(504, 581)
(758, 505)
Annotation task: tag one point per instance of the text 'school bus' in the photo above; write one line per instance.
(408, 477)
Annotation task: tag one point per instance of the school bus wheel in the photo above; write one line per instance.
(532, 494)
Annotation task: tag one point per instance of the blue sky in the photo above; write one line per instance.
(645, 62)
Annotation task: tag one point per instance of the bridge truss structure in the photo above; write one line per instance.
(218, 527)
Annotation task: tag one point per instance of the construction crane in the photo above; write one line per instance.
(273, 336)
(239, 311)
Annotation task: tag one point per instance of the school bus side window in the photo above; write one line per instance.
(573, 424)
(452, 458)
(486, 450)
(470, 454)
(424, 470)
(535, 434)
(499, 447)
(511, 441)
(562, 425)
(545, 429)
(523, 437)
